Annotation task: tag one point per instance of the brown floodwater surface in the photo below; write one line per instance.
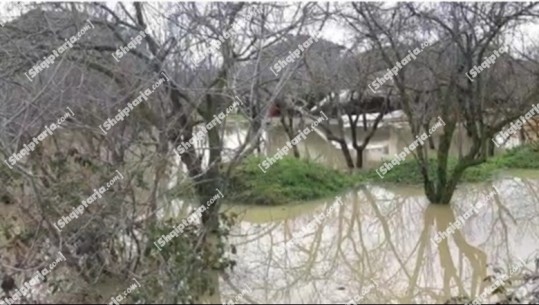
(378, 245)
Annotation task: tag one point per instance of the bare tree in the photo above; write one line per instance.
(465, 35)
(116, 239)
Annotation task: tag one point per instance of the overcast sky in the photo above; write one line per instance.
(335, 33)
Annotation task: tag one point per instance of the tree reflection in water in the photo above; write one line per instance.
(377, 237)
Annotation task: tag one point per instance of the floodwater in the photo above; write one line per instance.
(377, 246)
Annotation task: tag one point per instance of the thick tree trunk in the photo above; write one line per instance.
(359, 157)
(347, 155)
(445, 188)
(491, 148)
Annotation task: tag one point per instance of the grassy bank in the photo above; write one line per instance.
(288, 180)
(523, 157)
(292, 179)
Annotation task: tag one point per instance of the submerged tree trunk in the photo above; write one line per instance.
(347, 155)
(359, 157)
(491, 148)
(441, 190)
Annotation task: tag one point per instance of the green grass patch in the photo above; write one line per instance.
(292, 179)
(522, 157)
(289, 179)
(408, 172)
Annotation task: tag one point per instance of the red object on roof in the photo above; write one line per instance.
(274, 111)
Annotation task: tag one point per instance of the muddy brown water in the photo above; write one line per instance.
(378, 247)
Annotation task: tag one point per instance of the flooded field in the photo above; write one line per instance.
(378, 245)
(269, 153)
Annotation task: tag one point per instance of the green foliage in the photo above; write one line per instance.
(522, 157)
(292, 179)
(189, 263)
(289, 179)
(408, 172)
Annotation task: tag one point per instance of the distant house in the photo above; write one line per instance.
(300, 83)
